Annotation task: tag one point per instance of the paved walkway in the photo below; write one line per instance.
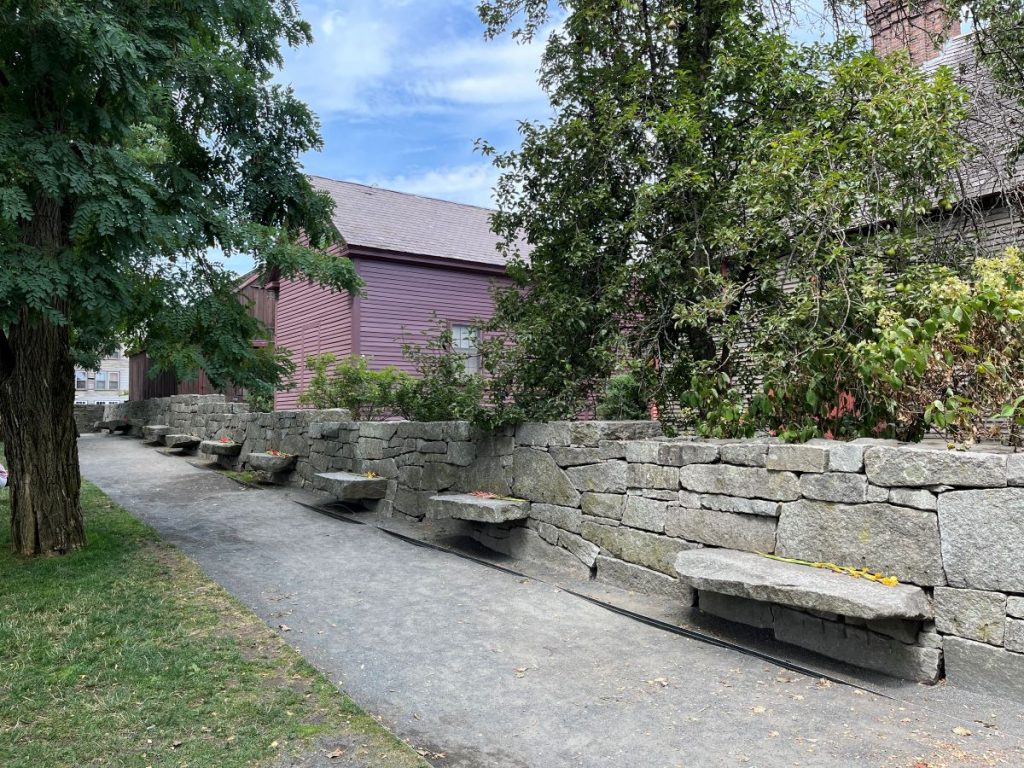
(495, 671)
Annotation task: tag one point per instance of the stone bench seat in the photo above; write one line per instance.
(114, 425)
(155, 433)
(347, 486)
(217, 448)
(465, 506)
(183, 443)
(271, 463)
(749, 575)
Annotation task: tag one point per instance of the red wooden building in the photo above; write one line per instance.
(417, 257)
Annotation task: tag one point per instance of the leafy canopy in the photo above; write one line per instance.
(134, 138)
(706, 201)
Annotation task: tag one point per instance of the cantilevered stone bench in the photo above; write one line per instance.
(217, 448)
(746, 574)
(114, 425)
(465, 506)
(347, 486)
(271, 467)
(154, 433)
(182, 443)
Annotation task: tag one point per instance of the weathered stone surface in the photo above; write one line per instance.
(894, 540)
(485, 474)
(1015, 607)
(265, 462)
(543, 435)
(607, 505)
(901, 629)
(638, 547)
(574, 457)
(440, 476)
(797, 458)
(636, 578)
(984, 668)
(646, 514)
(970, 613)
(566, 518)
(593, 432)
(463, 506)
(857, 646)
(347, 486)
(983, 538)
(425, 446)
(606, 477)
(295, 444)
(642, 451)
(1013, 635)
(652, 476)
(381, 430)
(835, 486)
(745, 574)
(1015, 469)
(744, 454)
(681, 454)
(461, 453)
(525, 544)
(913, 497)
(154, 433)
(845, 457)
(547, 532)
(920, 468)
(183, 443)
(742, 610)
(217, 448)
(586, 551)
(752, 533)
(736, 504)
(748, 482)
(536, 477)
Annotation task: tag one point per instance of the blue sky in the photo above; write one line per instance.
(404, 88)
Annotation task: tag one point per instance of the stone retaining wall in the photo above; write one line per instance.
(620, 501)
(86, 417)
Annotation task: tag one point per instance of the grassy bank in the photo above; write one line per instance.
(124, 654)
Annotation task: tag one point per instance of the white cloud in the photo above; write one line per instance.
(471, 184)
(393, 57)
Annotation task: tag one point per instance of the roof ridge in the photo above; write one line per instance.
(399, 192)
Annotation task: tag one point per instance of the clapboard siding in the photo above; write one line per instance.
(400, 299)
(310, 320)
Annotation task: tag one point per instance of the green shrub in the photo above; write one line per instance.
(369, 395)
(878, 356)
(948, 353)
(622, 399)
(442, 390)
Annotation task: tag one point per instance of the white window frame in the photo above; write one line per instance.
(465, 341)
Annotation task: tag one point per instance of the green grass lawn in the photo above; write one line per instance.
(124, 654)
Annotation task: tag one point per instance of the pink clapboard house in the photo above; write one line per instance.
(418, 257)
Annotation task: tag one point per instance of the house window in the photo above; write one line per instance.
(464, 340)
(108, 380)
(80, 380)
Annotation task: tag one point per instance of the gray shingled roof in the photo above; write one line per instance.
(994, 122)
(395, 221)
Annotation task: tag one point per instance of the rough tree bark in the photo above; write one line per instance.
(37, 395)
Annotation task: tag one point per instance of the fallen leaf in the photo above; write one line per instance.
(284, 627)
(339, 752)
(961, 731)
(273, 744)
(758, 710)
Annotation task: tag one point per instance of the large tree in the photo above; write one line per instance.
(134, 138)
(707, 189)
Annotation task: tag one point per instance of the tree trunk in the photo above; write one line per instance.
(37, 402)
(37, 416)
